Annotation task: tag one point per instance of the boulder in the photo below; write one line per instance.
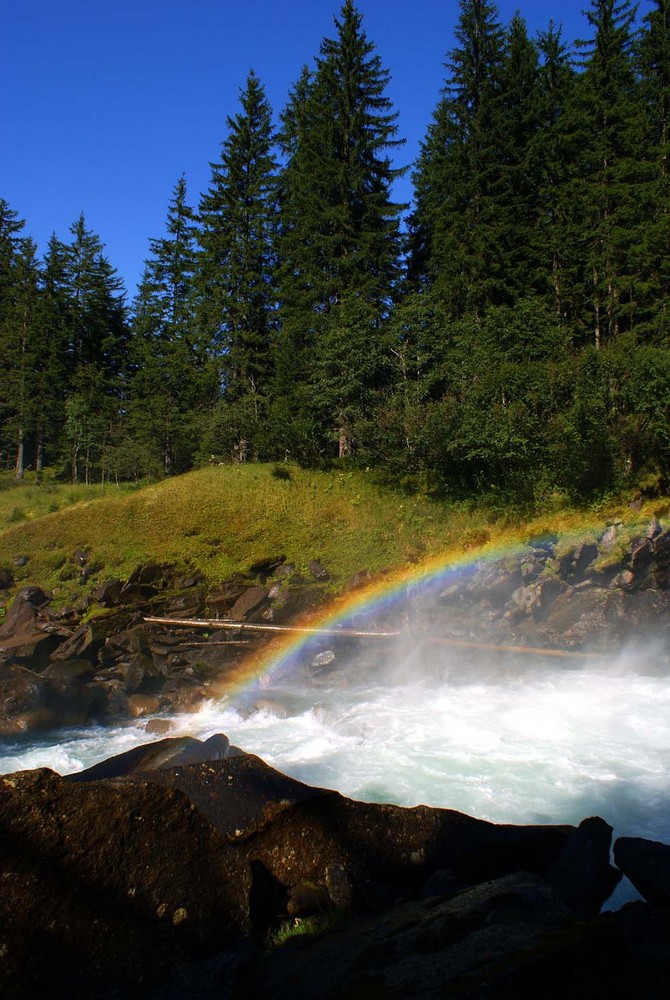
(170, 752)
(508, 939)
(23, 611)
(108, 887)
(647, 865)
(249, 601)
(582, 873)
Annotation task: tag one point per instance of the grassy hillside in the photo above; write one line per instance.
(221, 519)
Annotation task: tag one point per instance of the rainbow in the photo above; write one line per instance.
(380, 597)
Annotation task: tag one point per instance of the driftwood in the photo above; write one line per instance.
(349, 633)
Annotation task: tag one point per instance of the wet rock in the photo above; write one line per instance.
(106, 886)
(160, 726)
(647, 865)
(582, 873)
(174, 752)
(21, 700)
(140, 705)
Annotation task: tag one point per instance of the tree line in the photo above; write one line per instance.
(507, 331)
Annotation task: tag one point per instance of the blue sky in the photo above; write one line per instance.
(105, 105)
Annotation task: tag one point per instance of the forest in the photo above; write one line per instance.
(507, 333)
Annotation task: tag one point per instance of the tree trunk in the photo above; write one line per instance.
(20, 466)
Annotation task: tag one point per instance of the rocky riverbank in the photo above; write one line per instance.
(101, 661)
(193, 870)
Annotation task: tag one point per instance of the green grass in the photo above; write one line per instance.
(221, 519)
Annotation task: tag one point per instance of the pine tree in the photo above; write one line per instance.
(236, 265)
(339, 243)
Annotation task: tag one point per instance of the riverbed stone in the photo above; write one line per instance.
(106, 886)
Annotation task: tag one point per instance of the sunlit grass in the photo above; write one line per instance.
(221, 519)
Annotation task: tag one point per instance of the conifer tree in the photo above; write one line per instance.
(457, 223)
(20, 347)
(555, 240)
(339, 243)
(97, 349)
(610, 125)
(654, 260)
(236, 267)
(172, 381)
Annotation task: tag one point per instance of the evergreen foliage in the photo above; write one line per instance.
(514, 341)
(236, 273)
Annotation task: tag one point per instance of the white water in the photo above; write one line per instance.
(537, 745)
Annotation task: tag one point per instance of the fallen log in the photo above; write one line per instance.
(224, 623)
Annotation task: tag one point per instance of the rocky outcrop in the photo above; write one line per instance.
(101, 662)
(148, 879)
(105, 885)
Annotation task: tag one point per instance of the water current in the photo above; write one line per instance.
(548, 745)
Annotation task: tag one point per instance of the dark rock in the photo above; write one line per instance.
(23, 611)
(510, 938)
(641, 555)
(305, 900)
(171, 752)
(267, 566)
(584, 554)
(158, 726)
(647, 865)
(318, 571)
(6, 578)
(88, 640)
(108, 592)
(21, 700)
(582, 873)
(251, 600)
(443, 883)
(106, 886)
(140, 705)
(20, 561)
(68, 670)
(81, 557)
(145, 575)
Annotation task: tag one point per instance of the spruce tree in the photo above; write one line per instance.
(19, 340)
(236, 267)
(654, 260)
(171, 384)
(610, 126)
(339, 242)
(457, 221)
(97, 350)
(555, 240)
